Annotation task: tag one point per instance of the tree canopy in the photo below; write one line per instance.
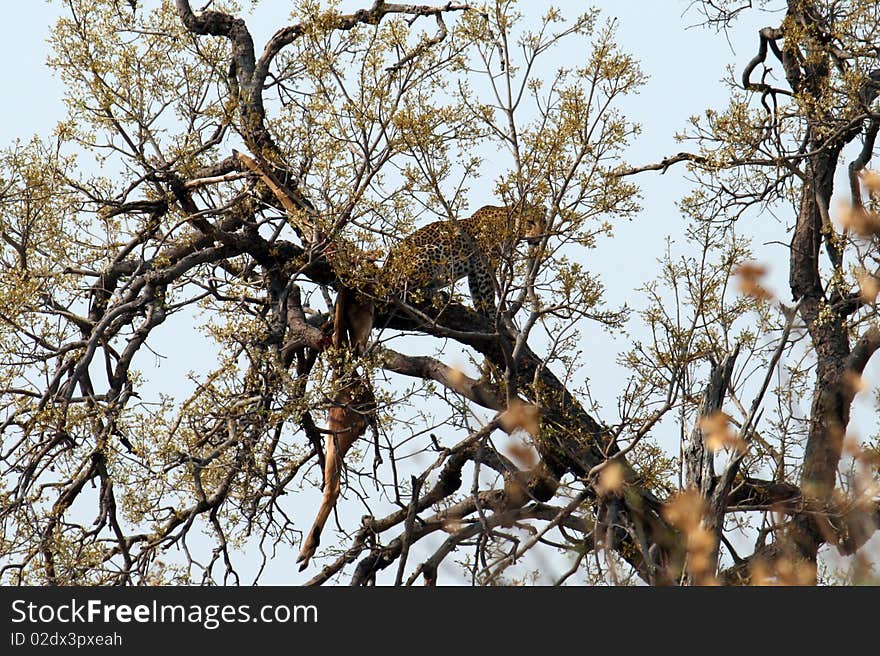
(214, 198)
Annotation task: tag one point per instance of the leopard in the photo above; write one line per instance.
(424, 262)
(441, 253)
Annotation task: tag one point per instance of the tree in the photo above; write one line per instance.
(241, 191)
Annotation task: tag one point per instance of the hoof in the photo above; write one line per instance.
(303, 559)
(307, 550)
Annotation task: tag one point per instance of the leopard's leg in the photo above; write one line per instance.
(481, 285)
(439, 298)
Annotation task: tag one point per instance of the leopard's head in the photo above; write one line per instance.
(531, 222)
